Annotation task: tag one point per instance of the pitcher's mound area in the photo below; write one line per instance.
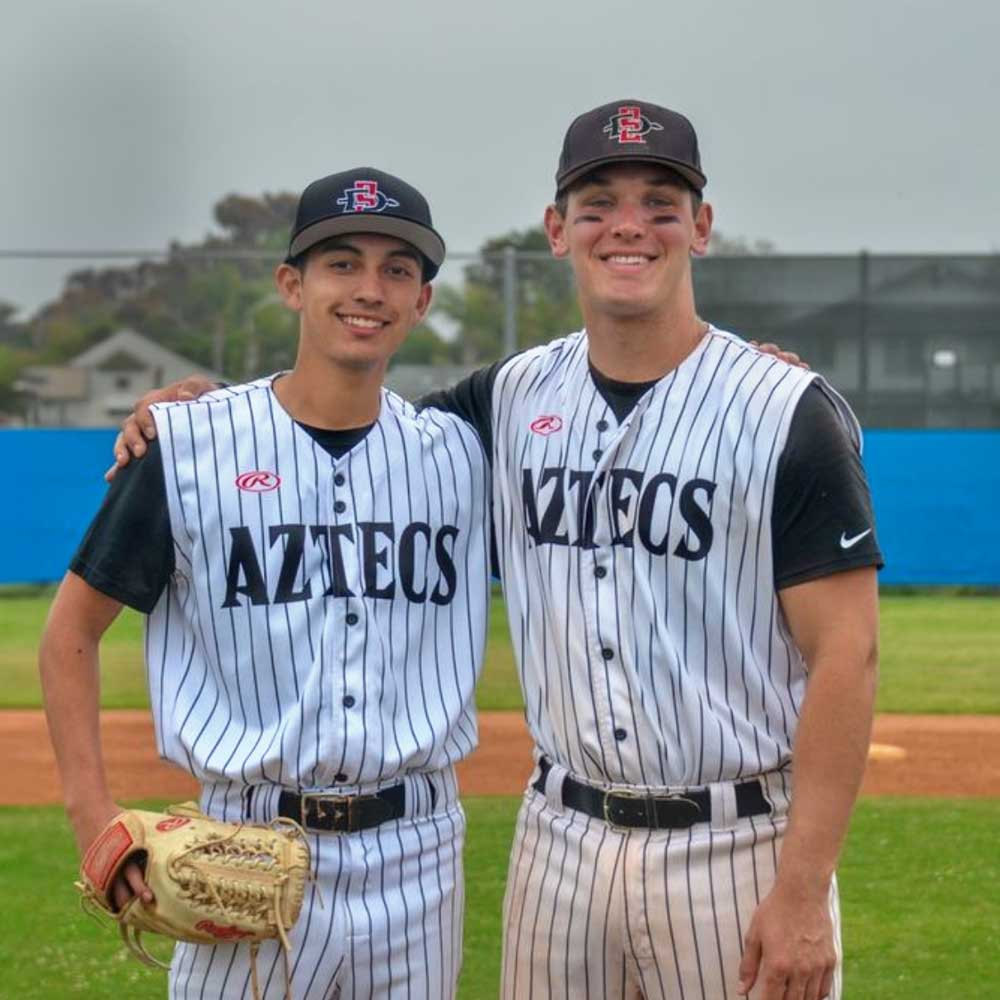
(937, 755)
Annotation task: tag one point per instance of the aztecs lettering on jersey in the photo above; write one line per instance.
(638, 567)
(325, 622)
(560, 504)
(385, 561)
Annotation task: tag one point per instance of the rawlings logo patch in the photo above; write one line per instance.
(222, 933)
(258, 481)
(365, 196)
(174, 823)
(630, 125)
(105, 853)
(546, 425)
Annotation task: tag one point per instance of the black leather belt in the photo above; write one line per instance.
(343, 813)
(632, 810)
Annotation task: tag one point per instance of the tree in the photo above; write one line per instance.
(206, 301)
(545, 297)
(424, 346)
(721, 245)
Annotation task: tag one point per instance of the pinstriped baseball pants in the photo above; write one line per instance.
(593, 913)
(382, 920)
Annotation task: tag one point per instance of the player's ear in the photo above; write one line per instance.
(424, 300)
(555, 230)
(288, 281)
(702, 229)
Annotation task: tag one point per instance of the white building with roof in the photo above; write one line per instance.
(99, 387)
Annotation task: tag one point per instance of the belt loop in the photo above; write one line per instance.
(554, 787)
(723, 798)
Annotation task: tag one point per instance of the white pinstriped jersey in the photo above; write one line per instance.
(637, 563)
(325, 623)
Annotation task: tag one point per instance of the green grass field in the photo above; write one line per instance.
(940, 653)
(920, 896)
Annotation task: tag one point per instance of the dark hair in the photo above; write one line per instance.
(562, 198)
(300, 260)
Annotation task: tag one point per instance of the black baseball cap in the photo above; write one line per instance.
(366, 200)
(630, 130)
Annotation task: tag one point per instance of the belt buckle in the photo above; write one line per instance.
(693, 813)
(332, 808)
(623, 793)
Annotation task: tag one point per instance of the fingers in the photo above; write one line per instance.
(140, 427)
(826, 985)
(749, 965)
(130, 883)
(121, 457)
(780, 980)
(133, 438)
(789, 357)
(144, 427)
(813, 990)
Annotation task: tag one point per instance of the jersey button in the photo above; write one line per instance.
(602, 425)
(340, 506)
(597, 454)
(338, 480)
(600, 572)
(351, 618)
(620, 735)
(349, 701)
(340, 778)
(608, 653)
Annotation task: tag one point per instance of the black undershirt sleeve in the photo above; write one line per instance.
(128, 550)
(822, 520)
(472, 400)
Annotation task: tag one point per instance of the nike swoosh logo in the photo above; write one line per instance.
(848, 543)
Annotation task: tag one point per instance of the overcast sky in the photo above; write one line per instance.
(824, 127)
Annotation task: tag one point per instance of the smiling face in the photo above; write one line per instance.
(629, 232)
(358, 296)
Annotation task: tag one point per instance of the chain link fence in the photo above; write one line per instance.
(912, 340)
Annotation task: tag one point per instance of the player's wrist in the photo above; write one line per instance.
(89, 817)
(803, 882)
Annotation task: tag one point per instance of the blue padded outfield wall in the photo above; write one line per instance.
(937, 500)
(54, 486)
(937, 504)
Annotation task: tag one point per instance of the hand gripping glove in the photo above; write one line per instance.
(212, 882)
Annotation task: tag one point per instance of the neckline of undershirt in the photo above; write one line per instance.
(621, 397)
(336, 442)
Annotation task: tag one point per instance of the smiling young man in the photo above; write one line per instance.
(312, 556)
(688, 554)
(687, 546)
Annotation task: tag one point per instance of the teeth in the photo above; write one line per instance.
(362, 321)
(623, 259)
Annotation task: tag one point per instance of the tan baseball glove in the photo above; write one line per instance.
(211, 881)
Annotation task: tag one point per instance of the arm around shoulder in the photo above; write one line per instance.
(139, 426)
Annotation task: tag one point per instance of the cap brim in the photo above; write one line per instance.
(425, 239)
(695, 178)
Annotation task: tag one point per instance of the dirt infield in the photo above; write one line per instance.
(937, 755)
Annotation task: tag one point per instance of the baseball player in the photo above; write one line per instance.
(311, 554)
(688, 553)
